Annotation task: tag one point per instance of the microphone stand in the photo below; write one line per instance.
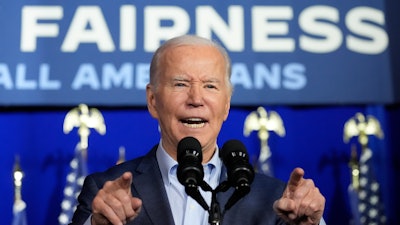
(215, 215)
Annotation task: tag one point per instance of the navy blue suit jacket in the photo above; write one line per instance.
(254, 209)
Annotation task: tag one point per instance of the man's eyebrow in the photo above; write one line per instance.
(180, 78)
(212, 80)
(185, 79)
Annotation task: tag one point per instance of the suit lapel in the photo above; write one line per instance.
(149, 185)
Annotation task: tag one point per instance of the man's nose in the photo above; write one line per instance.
(195, 95)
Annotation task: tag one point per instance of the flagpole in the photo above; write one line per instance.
(121, 155)
(18, 175)
(364, 192)
(263, 122)
(19, 205)
(84, 118)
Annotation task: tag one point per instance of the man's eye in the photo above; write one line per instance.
(180, 85)
(210, 86)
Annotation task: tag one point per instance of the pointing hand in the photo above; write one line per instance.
(114, 203)
(301, 202)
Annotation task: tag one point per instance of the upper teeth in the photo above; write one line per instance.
(194, 122)
(194, 119)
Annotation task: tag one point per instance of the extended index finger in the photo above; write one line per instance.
(295, 178)
(123, 182)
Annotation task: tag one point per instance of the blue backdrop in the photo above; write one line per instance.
(314, 141)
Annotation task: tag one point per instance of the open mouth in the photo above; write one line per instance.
(194, 122)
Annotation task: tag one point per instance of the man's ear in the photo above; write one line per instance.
(151, 101)
(227, 108)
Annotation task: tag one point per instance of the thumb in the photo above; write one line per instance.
(285, 208)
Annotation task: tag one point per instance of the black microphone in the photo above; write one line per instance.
(240, 172)
(190, 170)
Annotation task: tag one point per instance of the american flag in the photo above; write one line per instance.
(367, 204)
(75, 178)
(19, 213)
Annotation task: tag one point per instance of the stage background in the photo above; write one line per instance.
(314, 141)
(37, 90)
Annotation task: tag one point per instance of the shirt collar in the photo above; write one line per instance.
(165, 162)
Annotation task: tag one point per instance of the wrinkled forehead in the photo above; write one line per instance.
(173, 55)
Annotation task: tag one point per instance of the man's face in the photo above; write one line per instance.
(192, 97)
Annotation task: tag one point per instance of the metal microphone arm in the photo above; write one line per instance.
(215, 216)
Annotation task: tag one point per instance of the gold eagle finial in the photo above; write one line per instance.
(362, 126)
(263, 122)
(84, 118)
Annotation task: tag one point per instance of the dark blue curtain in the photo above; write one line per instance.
(313, 140)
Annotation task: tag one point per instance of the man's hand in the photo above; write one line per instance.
(301, 202)
(114, 203)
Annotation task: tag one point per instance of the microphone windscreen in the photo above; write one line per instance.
(236, 159)
(233, 146)
(240, 172)
(189, 144)
(190, 170)
(189, 156)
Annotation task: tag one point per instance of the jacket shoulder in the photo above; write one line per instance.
(135, 166)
